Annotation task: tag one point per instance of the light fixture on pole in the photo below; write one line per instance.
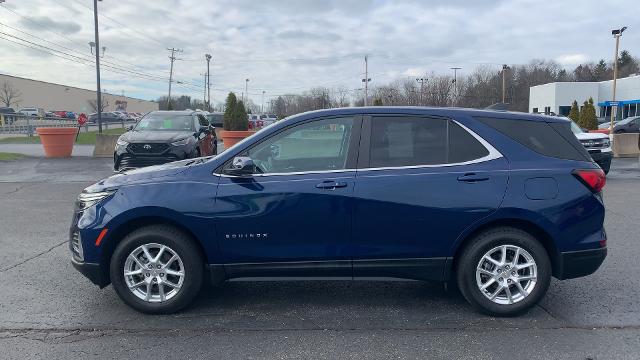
(614, 105)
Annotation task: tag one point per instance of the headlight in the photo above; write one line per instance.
(121, 142)
(180, 142)
(87, 200)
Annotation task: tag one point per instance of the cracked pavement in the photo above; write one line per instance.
(48, 310)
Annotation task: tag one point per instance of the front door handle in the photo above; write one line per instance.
(331, 185)
(472, 177)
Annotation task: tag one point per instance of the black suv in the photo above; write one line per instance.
(165, 136)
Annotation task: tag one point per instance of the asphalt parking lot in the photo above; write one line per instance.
(48, 310)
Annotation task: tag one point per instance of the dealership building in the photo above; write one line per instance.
(56, 97)
(557, 97)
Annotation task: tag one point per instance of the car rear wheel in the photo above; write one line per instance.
(157, 270)
(504, 271)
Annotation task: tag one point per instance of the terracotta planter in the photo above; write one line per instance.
(230, 138)
(57, 141)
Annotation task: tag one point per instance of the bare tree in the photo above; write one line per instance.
(9, 94)
(94, 106)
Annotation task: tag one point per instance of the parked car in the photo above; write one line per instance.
(597, 144)
(9, 115)
(165, 136)
(107, 117)
(268, 119)
(255, 122)
(32, 111)
(628, 125)
(216, 119)
(495, 202)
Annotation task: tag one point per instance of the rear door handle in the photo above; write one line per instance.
(330, 185)
(472, 177)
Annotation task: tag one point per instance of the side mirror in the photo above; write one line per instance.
(204, 129)
(241, 166)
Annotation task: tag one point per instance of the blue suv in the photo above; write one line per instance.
(494, 203)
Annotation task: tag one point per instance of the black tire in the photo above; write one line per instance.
(472, 254)
(179, 242)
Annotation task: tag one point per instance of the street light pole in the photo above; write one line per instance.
(455, 85)
(366, 79)
(262, 102)
(504, 83)
(246, 91)
(97, 41)
(421, 81)
(614, 106)
(208, 88)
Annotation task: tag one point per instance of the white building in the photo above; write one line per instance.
(56, 97)
(557, 97)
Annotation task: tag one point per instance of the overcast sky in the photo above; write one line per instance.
(286, 46)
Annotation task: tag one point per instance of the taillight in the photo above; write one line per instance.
(594, 179)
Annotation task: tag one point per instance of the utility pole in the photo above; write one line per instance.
(262, 102)
(172, 58)
(208, 83)
(366, 79)
(455, 84)
(504, 83)
(97, 41)
(246, 91)
(421, 81)
(614, 106)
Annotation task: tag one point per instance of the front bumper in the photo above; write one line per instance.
(93, 272)
(574, 264)
(603, 159)
(123, 158)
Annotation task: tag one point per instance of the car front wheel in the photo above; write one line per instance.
(157, 270)
(504, 272)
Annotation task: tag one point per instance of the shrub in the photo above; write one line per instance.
(235, 116)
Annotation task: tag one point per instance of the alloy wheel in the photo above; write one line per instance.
(154, 272)
(506, 274)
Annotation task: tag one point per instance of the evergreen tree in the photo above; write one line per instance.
(229, 111)
(588, 119)
(574, 114)
(240, 119)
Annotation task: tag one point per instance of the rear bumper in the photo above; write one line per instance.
(574, 264)
(92, 271)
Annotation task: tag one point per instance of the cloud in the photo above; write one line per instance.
(572, 59)
(45, 22)
(287, 46)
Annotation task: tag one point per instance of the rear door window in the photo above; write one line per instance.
(414, 141)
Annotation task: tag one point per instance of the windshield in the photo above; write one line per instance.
(575, 128)
(165, 122)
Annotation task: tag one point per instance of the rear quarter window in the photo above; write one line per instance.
(550, 139)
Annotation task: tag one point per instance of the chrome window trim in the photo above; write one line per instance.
(493, 154)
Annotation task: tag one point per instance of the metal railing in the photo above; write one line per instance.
(26, 125)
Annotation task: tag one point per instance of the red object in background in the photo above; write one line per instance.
(82, 119)
(600, 131)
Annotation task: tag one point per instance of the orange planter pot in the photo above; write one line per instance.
(57, 141)
(230, 138)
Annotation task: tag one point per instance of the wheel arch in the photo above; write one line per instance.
(522, 224)
(133, 224)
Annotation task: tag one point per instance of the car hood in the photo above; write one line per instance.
(143, 175)
(154, 136)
